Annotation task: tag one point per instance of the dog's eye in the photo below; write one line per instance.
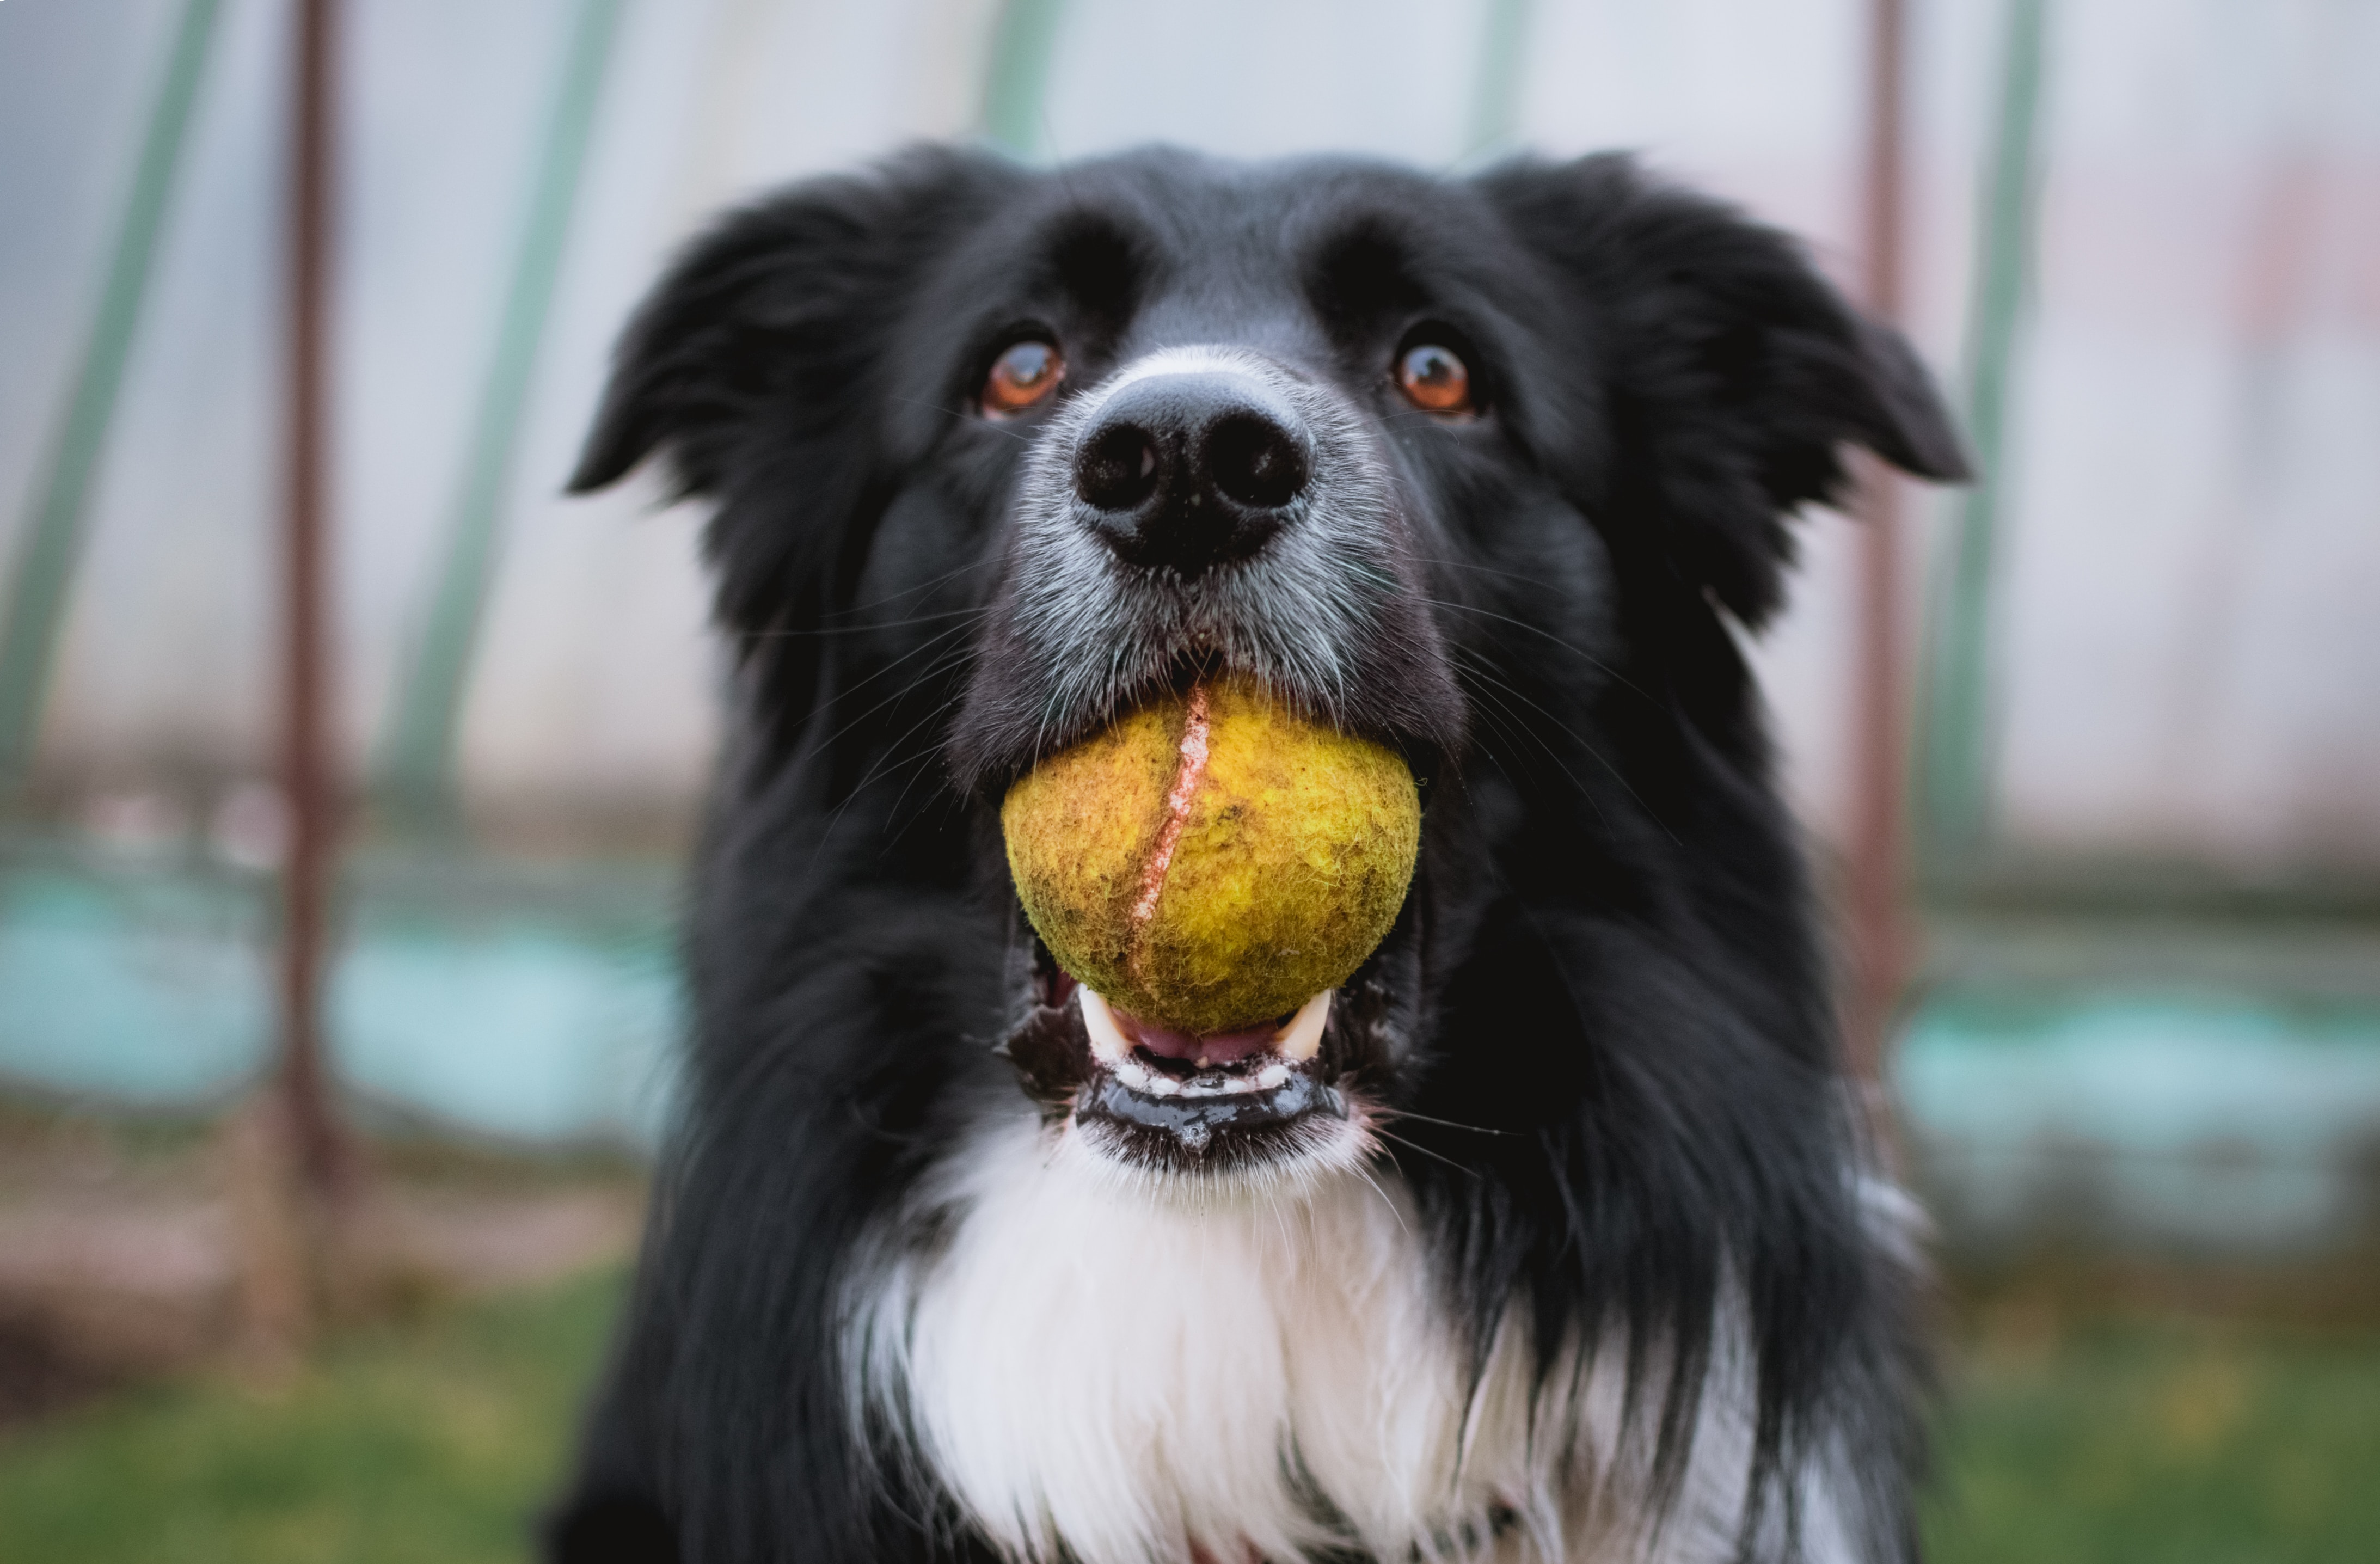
(1434, 379)
(1021, 378)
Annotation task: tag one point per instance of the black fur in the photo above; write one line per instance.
(1607, 970)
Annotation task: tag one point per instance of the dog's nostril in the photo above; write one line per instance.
(1186, 471)
(1256, 462)
(1116, 470)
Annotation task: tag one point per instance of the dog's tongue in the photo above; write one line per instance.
(1217, 1048)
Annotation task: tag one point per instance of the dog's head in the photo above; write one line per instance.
(1477, 469)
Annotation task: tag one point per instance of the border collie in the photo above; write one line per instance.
(1563, 1243)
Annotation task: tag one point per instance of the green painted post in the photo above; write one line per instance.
(1955, 754)
(1496, 89)
(1018, 81)
(50, 541)
(417, 765)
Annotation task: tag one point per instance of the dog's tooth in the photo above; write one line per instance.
(1271, 1076)
(1302, 1038)
(1107, 1037)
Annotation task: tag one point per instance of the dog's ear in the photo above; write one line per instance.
(1731, 372)
(761, 365)
(772, 326)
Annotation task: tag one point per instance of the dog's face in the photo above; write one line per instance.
(1476, 469)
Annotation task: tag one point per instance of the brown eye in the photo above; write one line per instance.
(1434, 379)
(1021, 378)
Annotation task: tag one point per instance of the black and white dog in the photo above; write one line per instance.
(1563, 1243)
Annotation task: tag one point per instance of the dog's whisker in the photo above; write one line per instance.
(926, 586)
(1486, 688)
(851, 797)
(751, 635)
(1417, 1145)
(1477, 569)
(944, 663)
(1599, 664)
(957, 416)
(918, 765)
(1385, 1199)
(1445, 1124)
(1480, 671)
(948, 662)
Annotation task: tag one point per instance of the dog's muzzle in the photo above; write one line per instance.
(1204, 510)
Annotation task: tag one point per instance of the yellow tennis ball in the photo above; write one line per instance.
(1212, 861)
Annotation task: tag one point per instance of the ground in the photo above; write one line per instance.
(2166, 1440)
(2097, 1412)
(431, 1440)
(2161, 1442)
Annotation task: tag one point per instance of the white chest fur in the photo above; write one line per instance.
(1098, 1374)
(1086, 1363)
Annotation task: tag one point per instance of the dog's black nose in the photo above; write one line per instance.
(1188, 471)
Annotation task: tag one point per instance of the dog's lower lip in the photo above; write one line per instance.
(1244, 1112)
(1117, 1037)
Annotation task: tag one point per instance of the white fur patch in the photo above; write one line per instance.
(1098, 1373)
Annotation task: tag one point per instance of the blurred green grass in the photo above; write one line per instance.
(431, 1440)
(436, 1439)
(2165, 1441)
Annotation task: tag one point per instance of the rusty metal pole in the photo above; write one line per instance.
(1875, 875)
(308, 782)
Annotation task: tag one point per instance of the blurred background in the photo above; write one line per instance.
(2133, 1050)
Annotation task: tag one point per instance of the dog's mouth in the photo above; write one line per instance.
(1157, 1061)
(1259, 1099)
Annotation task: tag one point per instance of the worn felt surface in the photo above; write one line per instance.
(1294, 847)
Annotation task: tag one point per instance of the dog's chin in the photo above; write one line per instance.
(1199, 1118)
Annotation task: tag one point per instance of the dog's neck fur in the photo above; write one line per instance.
(1096, 1374)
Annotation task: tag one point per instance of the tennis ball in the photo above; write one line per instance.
(1212, 861)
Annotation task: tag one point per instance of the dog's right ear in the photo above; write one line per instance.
(767, 334)
(1735, 373)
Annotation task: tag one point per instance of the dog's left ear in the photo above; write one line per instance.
(1731, 372)
(760, 367)
(771, 325)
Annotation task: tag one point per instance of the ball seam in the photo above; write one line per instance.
(1191, 752)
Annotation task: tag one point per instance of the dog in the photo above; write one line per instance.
(1565, 1242)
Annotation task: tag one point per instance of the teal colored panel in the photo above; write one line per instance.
(2220, 1121)
(152, 994)
(148, 986)
(521, 1031)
